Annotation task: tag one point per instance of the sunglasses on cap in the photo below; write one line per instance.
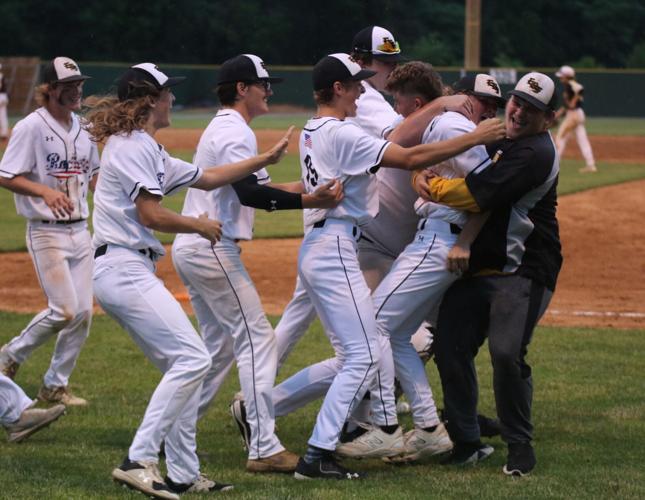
(389, 46)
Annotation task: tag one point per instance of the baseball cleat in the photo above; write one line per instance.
(201, 485)
(143, 477)
(373, 444)
(588, 169)
(32, 420)
(238, 411)
(520, 461)
(284, 461)
(468, 454)
(360, 428)
(60, 394)
(325, 468)
(419, 443)
(8, 367)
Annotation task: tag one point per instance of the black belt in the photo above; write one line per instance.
(148, 252)
(454, 228)
(62, 221)
(321, 223)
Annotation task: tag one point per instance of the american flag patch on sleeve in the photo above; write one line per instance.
(308, 143)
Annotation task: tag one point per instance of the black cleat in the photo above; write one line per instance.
(325, 468)
(520, 461)
(468, 453)
(201, 485)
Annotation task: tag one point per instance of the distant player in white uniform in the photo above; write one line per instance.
(330, 148)
(4, 104)
(50, 164)
(412, 290)
(138, 174)
(18, 417)
(574, 118)
(227, 305)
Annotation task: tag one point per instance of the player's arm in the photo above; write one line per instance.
(459, 255)
(158, 218)
(58, 202)
(226, 174)
(425, 155)
(273, 197)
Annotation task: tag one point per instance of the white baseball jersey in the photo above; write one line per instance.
(227, 139)
(342, 151)
(396, 223)
(129, 164)
(441, 128)
(42, 151)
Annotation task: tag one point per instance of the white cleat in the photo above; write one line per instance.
(143, 477)
(32, 420)
(419, 444)
(373, 444)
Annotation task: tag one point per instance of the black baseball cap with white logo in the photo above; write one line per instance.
(62, 70)
(379, 42)
(339, 67)
(144, 72)
(244, 68)
(480, 85)
(538, 89)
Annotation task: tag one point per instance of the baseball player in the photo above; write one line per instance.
(513, 268)
(18, 417)
(4, 103)
(50, 164)
(574, 118)
(137, 174)
(225, 301)
(330, 148)
(412, 290)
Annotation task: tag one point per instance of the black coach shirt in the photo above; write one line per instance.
(521, 235)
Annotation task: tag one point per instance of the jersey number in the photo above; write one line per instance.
(312, 175)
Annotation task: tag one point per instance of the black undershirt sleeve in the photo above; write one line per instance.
(252, 194)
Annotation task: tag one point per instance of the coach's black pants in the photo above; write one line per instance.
(505, 309)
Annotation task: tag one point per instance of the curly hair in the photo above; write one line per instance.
(415, 77)
(106, 115)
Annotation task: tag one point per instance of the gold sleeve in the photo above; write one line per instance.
(453, 193)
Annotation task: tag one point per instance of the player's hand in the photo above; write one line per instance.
(328, 195)
(457, 261)
(490, 130)
(421, 184)
(58, 202)
(459, 104)
(275, 154)
(209, 228)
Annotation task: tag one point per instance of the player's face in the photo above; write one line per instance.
(522, 119)
(406, 104)
(257, 98)
(349, 93)
(383, 70)
(161, 111)
(68, 95)
(483, 108)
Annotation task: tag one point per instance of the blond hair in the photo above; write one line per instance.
(41, 94)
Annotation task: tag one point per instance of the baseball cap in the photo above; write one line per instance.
(144, 72)
(379, 42)
(538, 89)
(338, 67)
(567, 71)
(244, 68)
(481, 85)
(62, 70)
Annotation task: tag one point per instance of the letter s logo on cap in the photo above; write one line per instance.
(535, 86)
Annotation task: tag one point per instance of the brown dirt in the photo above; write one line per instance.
(602, 233)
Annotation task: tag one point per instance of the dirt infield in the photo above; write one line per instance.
(601, 282)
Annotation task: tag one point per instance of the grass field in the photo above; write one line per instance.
(589, 414)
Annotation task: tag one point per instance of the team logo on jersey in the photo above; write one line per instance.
(535, 86)
(70, 66)
(49, 138)
(160, 178)
(493, 84)
(308, 143)
(389, 46)
(64, 169)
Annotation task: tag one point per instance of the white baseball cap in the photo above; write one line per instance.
(567, 71)
(338, 67)
(62, 70)
(148, 72)
(481, 85)
(538, 89)
(244, 68)
(379, 42)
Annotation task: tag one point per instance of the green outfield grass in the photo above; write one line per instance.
(589, 414)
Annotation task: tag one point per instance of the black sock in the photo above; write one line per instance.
(430, 429)
(389, 429)
(314, 454)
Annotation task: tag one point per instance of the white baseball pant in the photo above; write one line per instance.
(62, 257)
(13, 401)
(128, 290)
(329, 270)
(574, 122)
(231, 307)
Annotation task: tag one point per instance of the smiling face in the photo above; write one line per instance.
(67, 95)
(160, 114)
(347, 93)
(522, 119)
(257, 97)
(406, 104)
(483, 108)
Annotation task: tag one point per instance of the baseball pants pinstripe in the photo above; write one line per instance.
(13, 401)
(128, 290)
(62, 257)
(237, 328)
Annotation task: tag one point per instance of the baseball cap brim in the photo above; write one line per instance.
(172, 81)
(73, 78)
(530, 99)
(363, 74)
(501, 102)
